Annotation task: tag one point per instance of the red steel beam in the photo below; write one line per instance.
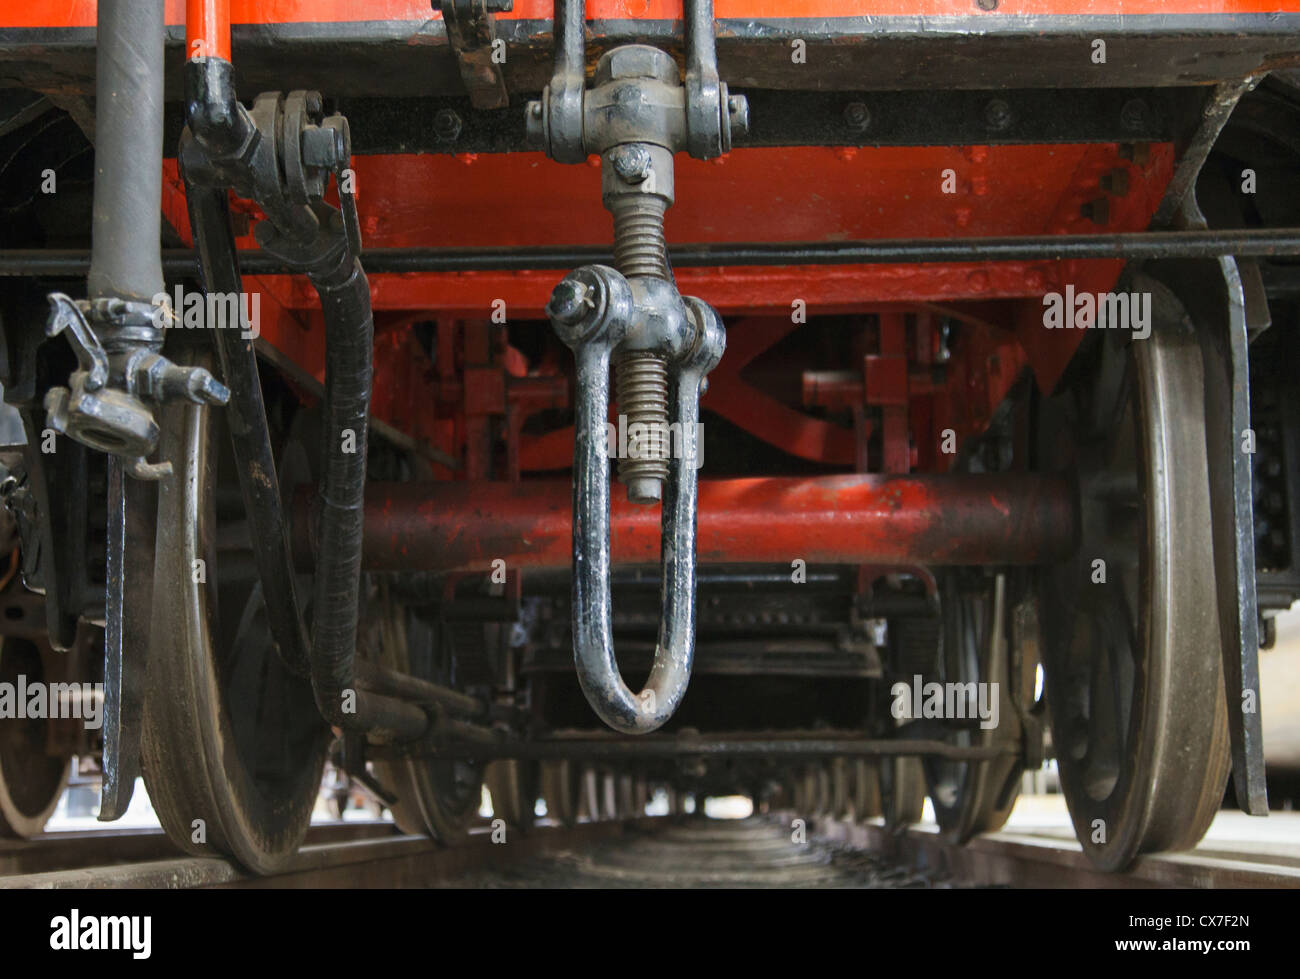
(855, 519)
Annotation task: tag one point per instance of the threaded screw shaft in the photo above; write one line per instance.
(641, 377)
(641, 384)
(639, 245)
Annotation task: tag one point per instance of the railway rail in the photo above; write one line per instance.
(653, 852)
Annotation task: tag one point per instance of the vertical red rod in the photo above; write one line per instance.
(207, 28)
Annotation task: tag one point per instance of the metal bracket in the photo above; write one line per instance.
(569, 122)
(1180, 195)
(471, 31)
(636, 115)
(132, 510)
(556, 121)
(103, 404)
(283, 153)
(66, 315)
(708, 125)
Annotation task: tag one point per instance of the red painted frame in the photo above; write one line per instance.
(81, 13)
(756, 194)
(841, 194)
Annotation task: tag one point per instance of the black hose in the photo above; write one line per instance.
(349, 346)
(126, 257)
(219, 125)
(349, 334)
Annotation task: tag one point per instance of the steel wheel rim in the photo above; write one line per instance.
(1141, 726)
(194, 754)
(31, 782)
(437, 798)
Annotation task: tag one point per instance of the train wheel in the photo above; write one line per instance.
(627, 798)
(779, 799)
(1131, 645)
(592, 795)
(902, 792)
(841, 791)
(866, 790)
(815, 791)
(513, 787)
(607, 783)
(232, 743)
(434, 798)
(31, 781)
(676, 801)
(562, 791)
(809, 793)
(977, 797)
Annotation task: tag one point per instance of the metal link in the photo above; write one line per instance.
(660, 344)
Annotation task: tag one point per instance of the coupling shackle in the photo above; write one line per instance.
(605, 328)
(637, 113)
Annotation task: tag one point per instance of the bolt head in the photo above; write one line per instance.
(997, 115)
(1133, 115)
(446, 125)
(857, 116)
(535, 124)
(631, 162)
(738, 114)
(321, 147)
(636, 61)
(568, 303)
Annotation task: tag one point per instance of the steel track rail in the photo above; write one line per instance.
(1030, 860)
(384, 861)
(614, 853)
(66, 850)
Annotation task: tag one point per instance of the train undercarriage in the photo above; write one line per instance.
(842, 405)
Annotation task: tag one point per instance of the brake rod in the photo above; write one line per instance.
(724, 746)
